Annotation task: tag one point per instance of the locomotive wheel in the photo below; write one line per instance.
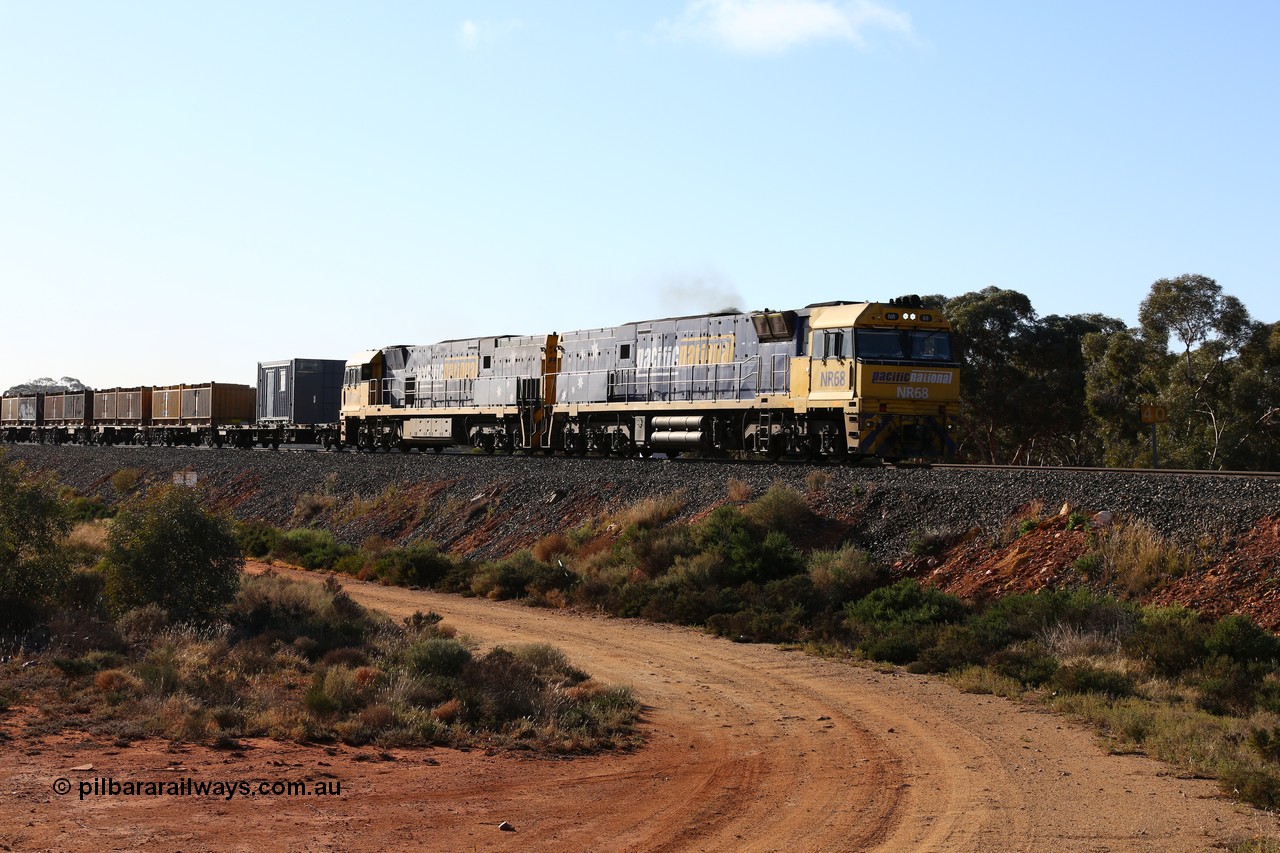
(438, 449)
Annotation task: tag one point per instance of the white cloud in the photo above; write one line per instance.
(776, 26)
(469, 34)
(473, 35)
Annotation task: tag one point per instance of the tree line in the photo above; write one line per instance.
(1068, 390)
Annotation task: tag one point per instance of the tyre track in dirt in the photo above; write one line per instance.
(754, 748)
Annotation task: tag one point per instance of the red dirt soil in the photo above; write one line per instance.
(1241, 574)
(749, 748)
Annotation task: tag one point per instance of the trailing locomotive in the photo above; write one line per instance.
(829, 380)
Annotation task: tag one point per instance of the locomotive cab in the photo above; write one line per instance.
(362, 387)
(890, 370)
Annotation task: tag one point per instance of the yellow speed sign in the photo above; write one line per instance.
(1154, 413)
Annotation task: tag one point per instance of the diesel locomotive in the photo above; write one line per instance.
(831, 380)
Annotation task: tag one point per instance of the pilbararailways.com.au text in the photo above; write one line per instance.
(188, 787)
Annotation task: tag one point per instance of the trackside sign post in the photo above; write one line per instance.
(1154, 413)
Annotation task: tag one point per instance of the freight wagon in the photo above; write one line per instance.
(297, 403)
(121, 415)
(21, 416)
(68, 417)
(207, 413)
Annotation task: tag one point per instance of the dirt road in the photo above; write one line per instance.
(751, 748)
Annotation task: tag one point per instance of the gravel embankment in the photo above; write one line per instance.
(488, 506)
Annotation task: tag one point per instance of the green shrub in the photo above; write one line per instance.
(1237, 638)
(746, 551)
(955, 647)
(318, 701)
(519, 575)
(417, 565)
(759, 625)
(85, 508)
(1027, 616)
(343, 685)
(311, 549)
(321, 617)
(844, 575)
(142, 623)
(166, 550)
(124, 481)
(257, 539)
(83, 590)
(88, 663)
(653, 550)
(780, 509)
(508, 688)
(1030, 666)
(437, 656)
(33, 568)
(900, 644)
(905, 603)
(1228, 686)
(1171, 640)
(1265, 743)
(1260, 788)
(549, 662)
(1089, 565)
(1086, 678)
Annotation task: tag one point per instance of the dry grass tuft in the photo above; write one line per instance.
(552, 546)
(1137, 558)
(816, 481)
(652, 512)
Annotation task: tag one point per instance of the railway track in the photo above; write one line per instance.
(869, 463)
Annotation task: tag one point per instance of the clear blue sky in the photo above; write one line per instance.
(189, 188)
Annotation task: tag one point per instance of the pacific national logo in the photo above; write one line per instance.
(915, 377)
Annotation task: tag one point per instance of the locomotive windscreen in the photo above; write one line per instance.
(914, 344)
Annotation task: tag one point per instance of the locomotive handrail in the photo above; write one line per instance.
(674, 383)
